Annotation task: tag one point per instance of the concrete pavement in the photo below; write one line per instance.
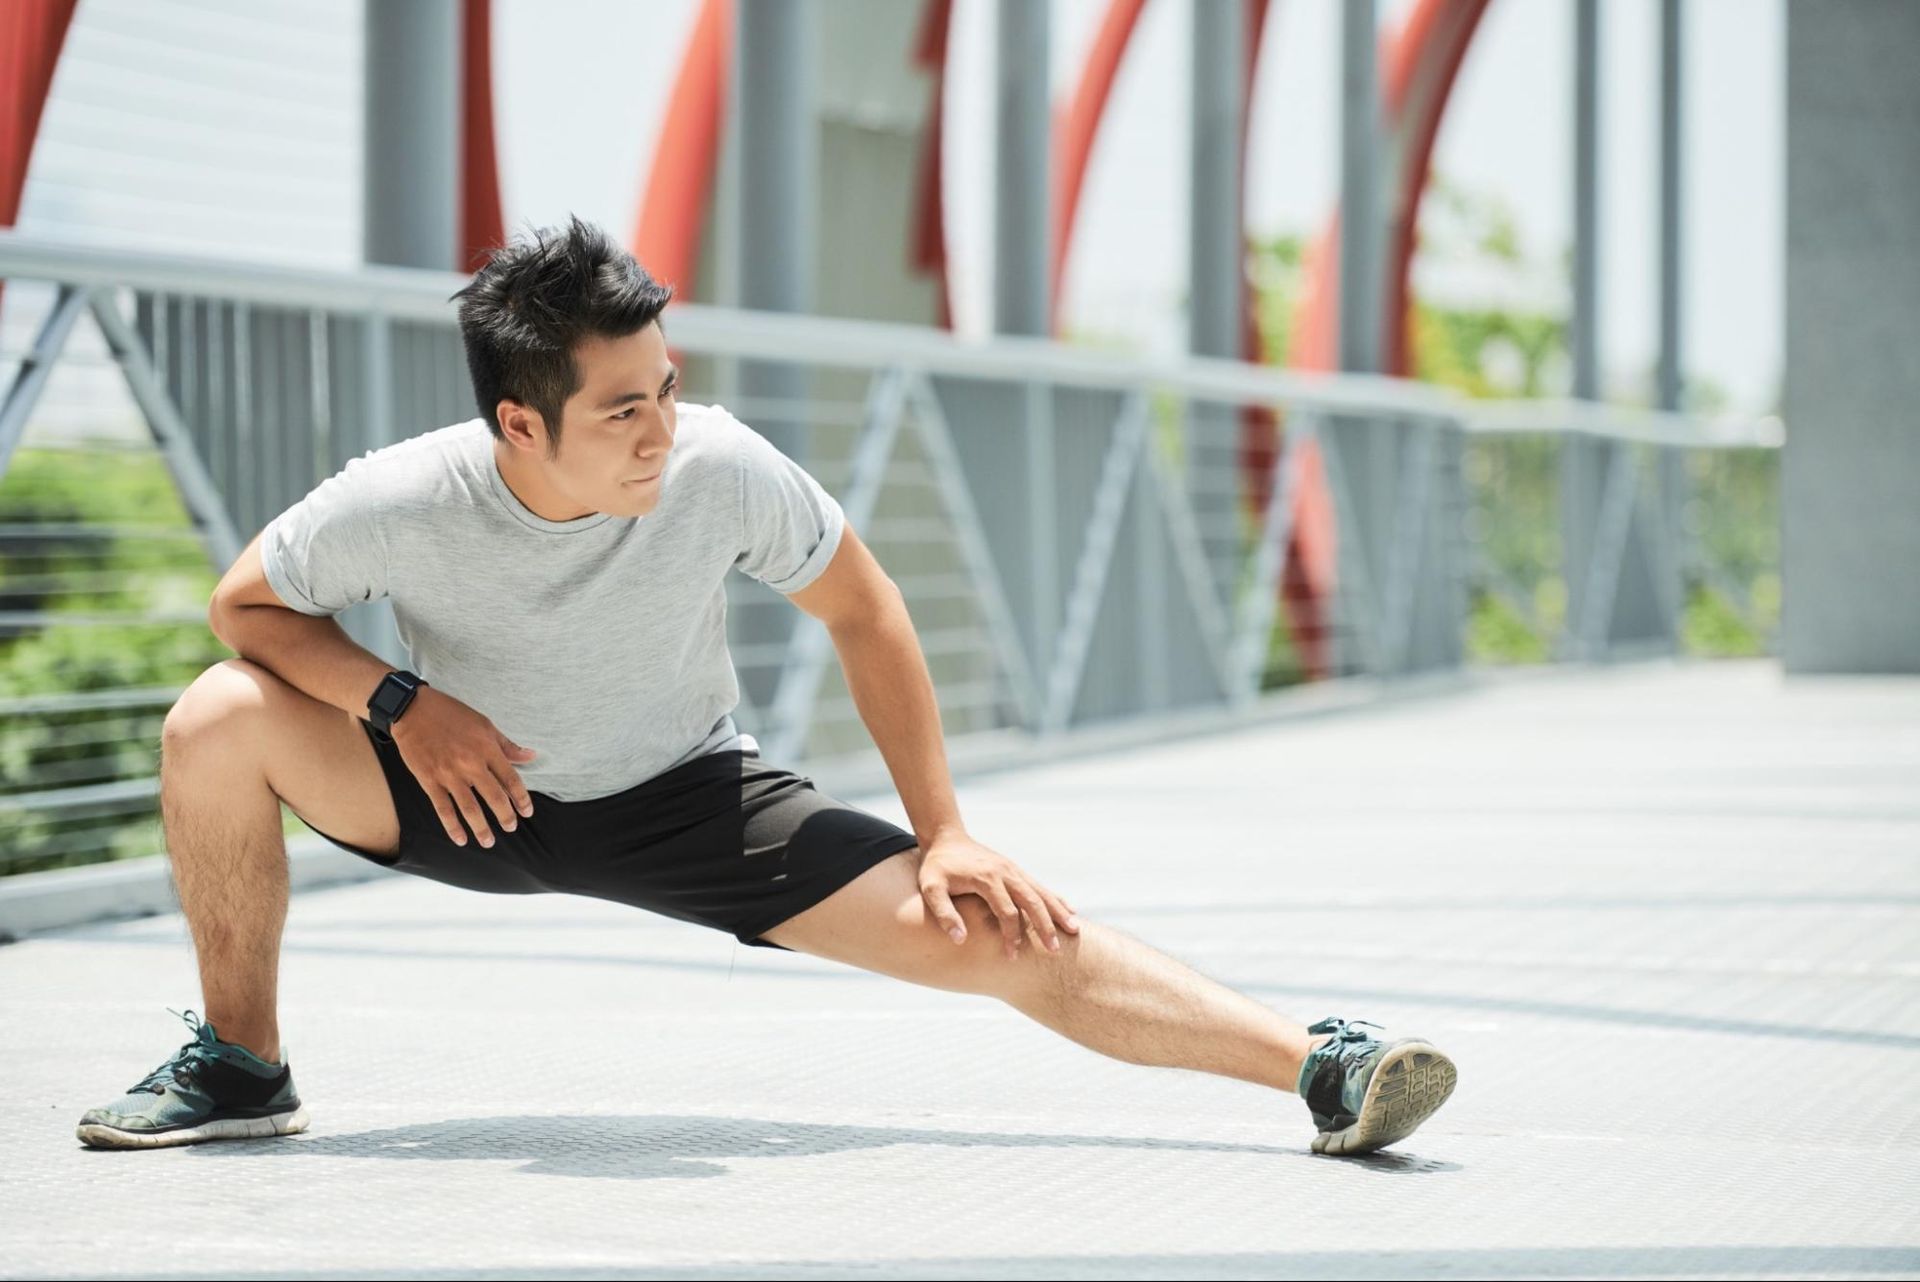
(1664, 918)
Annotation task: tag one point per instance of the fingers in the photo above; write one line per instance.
(516, 792)
(506, 794)
(940, 904)
(449, 816)
(1039, 912)
(469, 806)
(1061, 911)
(1016, 902)
(1008, 915)
(463, 801)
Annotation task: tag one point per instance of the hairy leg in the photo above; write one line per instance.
(237, 741)
(1104, 989)
(229, 867)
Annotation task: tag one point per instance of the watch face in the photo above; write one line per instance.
(391, 696)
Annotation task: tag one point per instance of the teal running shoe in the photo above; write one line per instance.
(209, 1090)
(1367, 1091)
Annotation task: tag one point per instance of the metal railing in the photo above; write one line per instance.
(1080, 536)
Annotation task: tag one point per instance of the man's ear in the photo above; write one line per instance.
(520, 422)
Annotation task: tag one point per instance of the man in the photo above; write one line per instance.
(556, 568)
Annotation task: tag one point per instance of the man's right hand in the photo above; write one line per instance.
(456, 753)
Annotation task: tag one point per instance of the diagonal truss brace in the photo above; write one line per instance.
(30, 380)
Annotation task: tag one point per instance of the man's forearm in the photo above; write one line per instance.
(312, 653)
(888, 678)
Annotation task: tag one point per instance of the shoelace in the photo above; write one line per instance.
(1347, 1035)
(1345, 1030)
(183, 1064)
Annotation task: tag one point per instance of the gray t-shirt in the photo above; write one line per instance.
(600, 643)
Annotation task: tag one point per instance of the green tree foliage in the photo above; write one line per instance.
(144, 569)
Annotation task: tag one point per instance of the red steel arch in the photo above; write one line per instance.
(1420, 65)
(666, 238)
(31, 33)
(481, 226)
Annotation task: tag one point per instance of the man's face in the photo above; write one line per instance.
(617, 429)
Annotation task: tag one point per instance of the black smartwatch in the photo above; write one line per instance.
(391, 699)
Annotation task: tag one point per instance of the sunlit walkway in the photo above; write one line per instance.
(1665, 918)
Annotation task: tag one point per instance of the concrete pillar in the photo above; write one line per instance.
(1216, 272)
(775, 168)
(412, 157)
(1360, 227)
(411, 176)
(1626, 599)
(778, 154)
(778, 195)
(1032, 540)
(1215, 225)
(1368, 450)
(1850, 493)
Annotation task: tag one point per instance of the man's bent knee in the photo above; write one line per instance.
(238, 715)
(216, 702)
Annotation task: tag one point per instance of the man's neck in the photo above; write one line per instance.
(524, 481)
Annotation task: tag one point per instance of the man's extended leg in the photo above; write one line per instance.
(1104, 989)
(1114, 994)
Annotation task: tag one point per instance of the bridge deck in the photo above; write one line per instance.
(1664, 917)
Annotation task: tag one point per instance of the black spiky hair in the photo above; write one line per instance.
(535, 301)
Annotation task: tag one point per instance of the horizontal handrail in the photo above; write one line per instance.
(418, 295)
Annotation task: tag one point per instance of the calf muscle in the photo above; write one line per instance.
(229, 865)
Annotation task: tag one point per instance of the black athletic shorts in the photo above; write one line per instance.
(724, 840)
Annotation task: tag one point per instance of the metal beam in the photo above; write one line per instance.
(1585, 330)
(791, 710)
(1254, 611)
(36, 367)
(1214, 234)
(1671, 389)
(1096, 560)
(1023, 124)
(197, 490)
(944, 462)
(1360, 239)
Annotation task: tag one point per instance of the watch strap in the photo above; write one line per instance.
(391, 698)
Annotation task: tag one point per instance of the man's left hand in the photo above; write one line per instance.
(958, 865)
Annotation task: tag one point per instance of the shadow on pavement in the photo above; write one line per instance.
(657, 1146)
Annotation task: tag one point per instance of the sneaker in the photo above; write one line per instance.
(1366, 1091)
(209, 1090)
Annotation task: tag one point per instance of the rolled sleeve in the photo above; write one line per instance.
(790, 525)
(324, 553)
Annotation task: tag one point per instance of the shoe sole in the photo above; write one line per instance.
(100, 1135)
(1413, 1080)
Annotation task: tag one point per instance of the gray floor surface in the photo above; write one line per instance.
(1664, 918)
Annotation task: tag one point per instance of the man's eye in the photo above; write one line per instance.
(671, 388)
(624, 414)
